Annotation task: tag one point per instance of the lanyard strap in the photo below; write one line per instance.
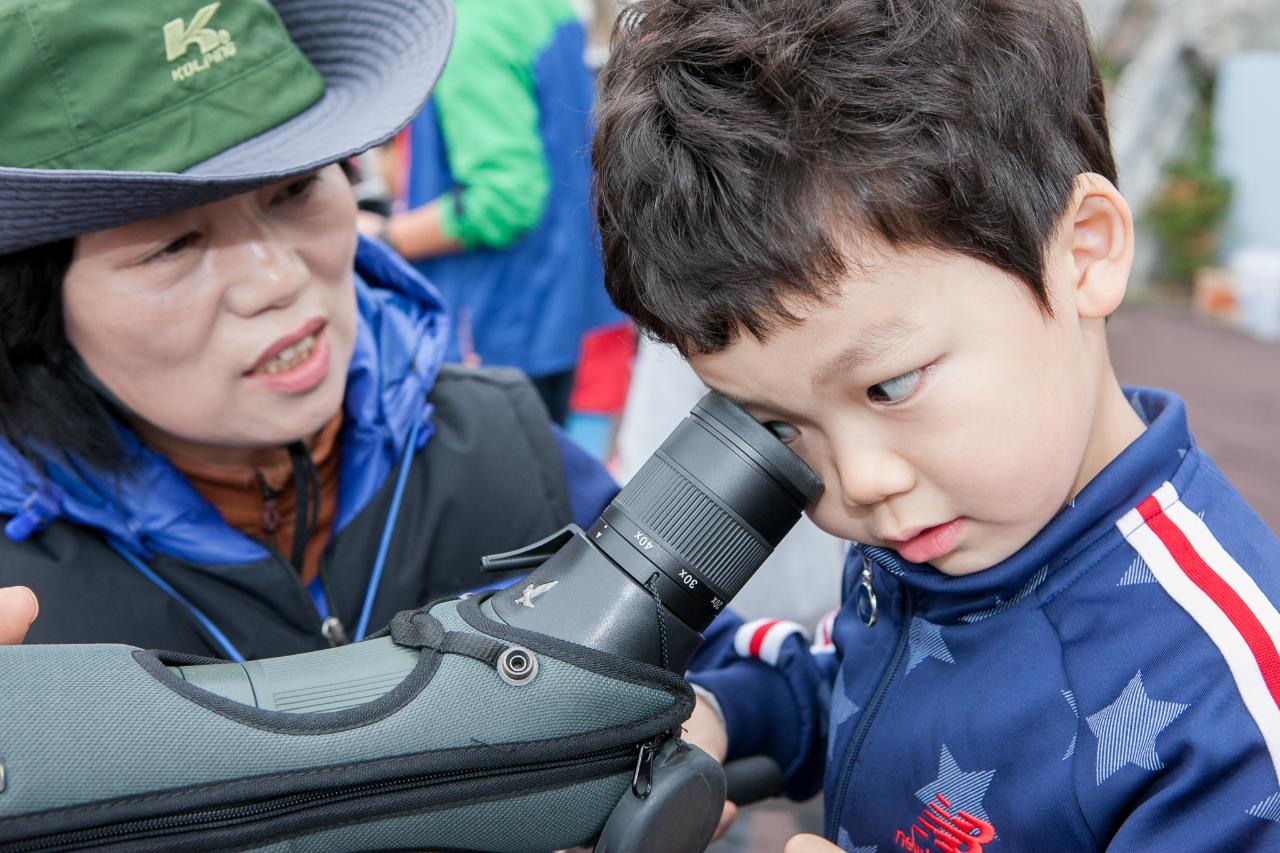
(315, 588)
(228, 648)
(371, 592)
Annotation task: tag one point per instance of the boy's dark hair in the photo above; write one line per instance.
(47, 403)
(742, 144)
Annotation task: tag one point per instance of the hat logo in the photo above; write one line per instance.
(215, 45)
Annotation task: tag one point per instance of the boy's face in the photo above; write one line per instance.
(948, 415)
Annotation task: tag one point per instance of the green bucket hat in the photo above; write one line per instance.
(124, 110)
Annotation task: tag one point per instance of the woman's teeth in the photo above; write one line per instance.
(290, 357)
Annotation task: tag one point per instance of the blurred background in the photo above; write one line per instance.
(1193, 108)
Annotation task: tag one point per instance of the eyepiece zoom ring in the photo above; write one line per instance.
(717, 546)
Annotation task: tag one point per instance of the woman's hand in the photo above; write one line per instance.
(18, 609)
(810, 844)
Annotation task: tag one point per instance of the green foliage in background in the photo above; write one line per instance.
(1188, 211)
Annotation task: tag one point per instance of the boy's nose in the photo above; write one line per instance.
(869, 475)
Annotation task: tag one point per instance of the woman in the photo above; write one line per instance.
(225, 428)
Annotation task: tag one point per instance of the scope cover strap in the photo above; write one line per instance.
(418, 629)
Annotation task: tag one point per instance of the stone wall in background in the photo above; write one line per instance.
(1153, 46)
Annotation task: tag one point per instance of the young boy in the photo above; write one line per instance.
(891, 230)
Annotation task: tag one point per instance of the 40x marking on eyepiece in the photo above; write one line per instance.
(645, 541)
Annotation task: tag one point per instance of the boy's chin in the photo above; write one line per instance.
(961, 562)
(974, 557)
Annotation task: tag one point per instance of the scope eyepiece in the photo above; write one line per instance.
(706, 509)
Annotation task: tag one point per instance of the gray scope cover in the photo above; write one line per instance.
(82, 725)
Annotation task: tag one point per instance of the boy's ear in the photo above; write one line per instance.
(1096, 242)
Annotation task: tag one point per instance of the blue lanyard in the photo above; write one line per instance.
(315, 588)
(231, 651)
(371, 591)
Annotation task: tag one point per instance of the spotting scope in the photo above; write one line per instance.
(544, 715)
(663, 559)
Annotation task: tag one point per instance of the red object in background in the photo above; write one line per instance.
(604, 370)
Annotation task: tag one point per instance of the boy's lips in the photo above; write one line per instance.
(922, 545)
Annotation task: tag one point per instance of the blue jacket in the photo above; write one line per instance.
(509, 127)
(56, 518)
(1115, 684)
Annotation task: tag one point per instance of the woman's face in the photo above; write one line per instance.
(226, 329)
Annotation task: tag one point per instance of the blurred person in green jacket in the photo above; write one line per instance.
(492, 185)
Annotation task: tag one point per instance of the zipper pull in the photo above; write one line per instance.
(270, 509)
(333, 630)
(642, 779)
(866, 595)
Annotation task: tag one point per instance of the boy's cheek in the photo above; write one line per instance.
(836, 520)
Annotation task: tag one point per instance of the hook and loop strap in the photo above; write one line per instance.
(418, 629)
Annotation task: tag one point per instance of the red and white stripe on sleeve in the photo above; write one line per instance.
(823, 640)
(763, 638)
(1198, 573)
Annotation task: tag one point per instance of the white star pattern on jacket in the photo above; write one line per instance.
(1138, 572)
(1268, 809)
(846, 843)
(1030, 587)
(1127, 729)
(925, 641)
(963, 789)
(842, 707)
(1071, 700)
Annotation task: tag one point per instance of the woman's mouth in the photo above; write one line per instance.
(296, 363)
(290, 357)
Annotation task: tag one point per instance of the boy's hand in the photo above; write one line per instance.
(810, 844)
(18, 609)
(703, 729)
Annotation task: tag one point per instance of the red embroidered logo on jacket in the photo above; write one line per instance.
(958, 833)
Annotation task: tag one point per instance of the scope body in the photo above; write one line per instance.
(664, 558)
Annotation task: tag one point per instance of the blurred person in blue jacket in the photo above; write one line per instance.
(493, 181)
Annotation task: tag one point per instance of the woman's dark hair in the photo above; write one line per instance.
(743, 147)
(47, 404)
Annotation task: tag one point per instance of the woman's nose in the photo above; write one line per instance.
(869, 474)
(264, 272)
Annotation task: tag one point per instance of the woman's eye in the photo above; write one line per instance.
(295, 189)
(782, 430)
(897, 389)
(174, 247)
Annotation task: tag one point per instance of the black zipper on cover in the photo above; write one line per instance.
(869, 716)
(225, 816)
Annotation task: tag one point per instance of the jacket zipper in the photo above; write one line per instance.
(306, 484)
(146, 828)
(869, 715)
(295, 580)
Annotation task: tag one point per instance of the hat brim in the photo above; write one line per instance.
(379, 60)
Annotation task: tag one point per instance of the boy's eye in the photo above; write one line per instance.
(897, 389)
(783, 431)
